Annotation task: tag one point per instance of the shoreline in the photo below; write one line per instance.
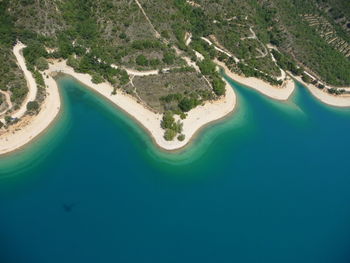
(274, 92)
(150, 121)
(194, 136)
(30, 127)
(329, 99)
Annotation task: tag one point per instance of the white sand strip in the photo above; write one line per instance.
(23, 132)
(196, 118)
(274, 92)
(31, 126)
(325, 97)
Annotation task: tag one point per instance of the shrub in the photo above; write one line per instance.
(154, 62)
(41, 64)
(169, 135)
(168, 58)
(168, 120)
(123, 35)
(114, 92)
(73, 62)
(165, 34)
(32, 106)
(141, 60)
(218, 86)
(186, 104)
(306, 78)
(177, 127)
(8, 119)
(320, 86)
(39, 78)
(207, 67)
(181, 137)
(96, 78)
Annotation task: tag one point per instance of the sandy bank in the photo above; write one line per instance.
(31, 126)
(274, 92)
(197, 117)
(325, 97)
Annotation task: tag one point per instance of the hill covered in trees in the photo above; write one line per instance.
(94, 35)
(245, 28)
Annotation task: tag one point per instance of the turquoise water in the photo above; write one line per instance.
(268, 184)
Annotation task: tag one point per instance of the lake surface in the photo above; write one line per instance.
(271, 183)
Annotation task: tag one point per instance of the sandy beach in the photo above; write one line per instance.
(31, 126)
(274, 92)
(333, 100)
(196, 118)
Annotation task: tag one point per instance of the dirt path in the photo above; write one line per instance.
(148, 20)
(220, 49)
(31, 84)
(157, 35)
(32, 87)
(8, 101)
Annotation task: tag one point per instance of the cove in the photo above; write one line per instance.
(268, 184)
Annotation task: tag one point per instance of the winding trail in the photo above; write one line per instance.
(31, 84)
(30, 127)
(253, 36)
(178, 52)
(220, 49)
(8, 101)
(283, 73)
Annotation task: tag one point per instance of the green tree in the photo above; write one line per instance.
(181, 137)
(97, 78)
(141, 60)
(177, 126)
(168, 120)
(306, 78)
(168, 58)
(32, 106)
(207, 66)
(123, 35)
(169, 135)
(186, 104)
(41, 64)
(218, 86)
(8, 119)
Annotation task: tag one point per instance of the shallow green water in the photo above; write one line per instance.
(268, 184)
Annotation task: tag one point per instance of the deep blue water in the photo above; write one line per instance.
(271, 183)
